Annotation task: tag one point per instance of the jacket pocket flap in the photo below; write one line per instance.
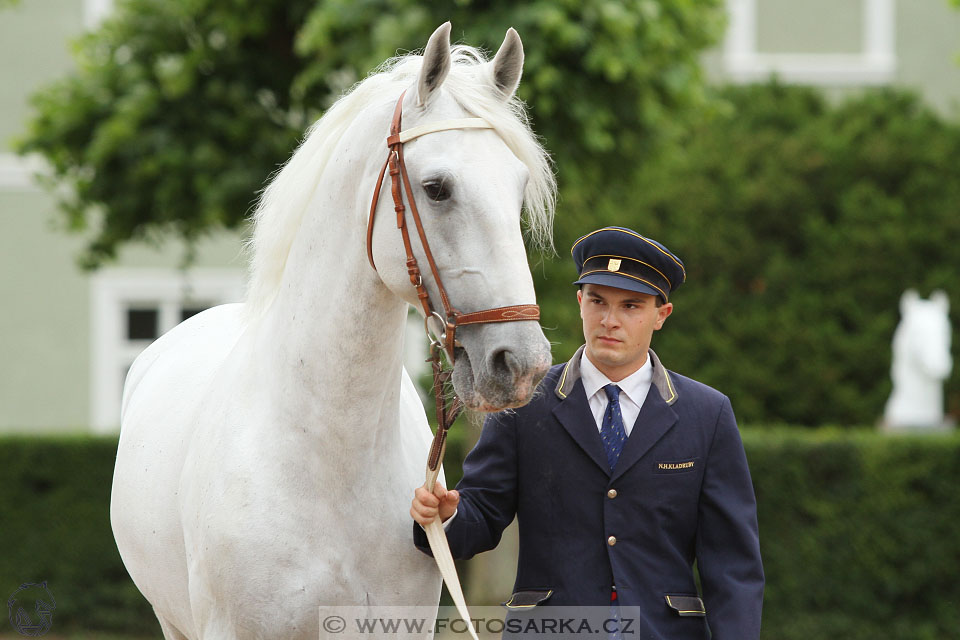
(527, 599)
(686, 605)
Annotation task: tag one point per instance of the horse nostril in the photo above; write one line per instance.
(503, 362)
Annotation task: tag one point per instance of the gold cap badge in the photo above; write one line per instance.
(613, 265)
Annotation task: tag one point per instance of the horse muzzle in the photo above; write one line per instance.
(499, 366)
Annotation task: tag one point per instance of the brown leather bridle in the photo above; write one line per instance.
(398, 171)
(454, 318)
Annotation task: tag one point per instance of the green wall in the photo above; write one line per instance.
(34, 49)
(44, 321)
(44, 298)
(928, 51)
(45, 312)
(926, 41)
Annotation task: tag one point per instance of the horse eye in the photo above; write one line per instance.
(436, 190)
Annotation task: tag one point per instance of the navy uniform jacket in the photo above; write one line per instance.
(680, 491)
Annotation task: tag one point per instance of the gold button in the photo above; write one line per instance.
(611, 541)
(612, 494)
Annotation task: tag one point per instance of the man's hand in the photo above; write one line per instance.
(427, 506)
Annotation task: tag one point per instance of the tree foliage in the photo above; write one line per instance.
(175, 115)
(800, 223)
(179, 112)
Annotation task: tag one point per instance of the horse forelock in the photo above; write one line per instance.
(283, 203)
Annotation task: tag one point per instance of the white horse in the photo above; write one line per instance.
(269, 450)
(921, 362)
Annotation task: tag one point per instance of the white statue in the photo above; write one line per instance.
(921, 362)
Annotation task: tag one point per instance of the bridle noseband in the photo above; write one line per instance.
(398, 173)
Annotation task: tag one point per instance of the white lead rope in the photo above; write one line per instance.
(441, 553)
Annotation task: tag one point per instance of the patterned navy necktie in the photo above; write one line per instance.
(611, 431)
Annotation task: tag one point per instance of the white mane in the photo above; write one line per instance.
(284, 202)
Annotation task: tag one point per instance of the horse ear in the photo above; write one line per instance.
(908, 298)
(436, 63)
(508, 64)
(941, 299)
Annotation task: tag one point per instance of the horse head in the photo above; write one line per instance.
(470, 186)
(924, 334)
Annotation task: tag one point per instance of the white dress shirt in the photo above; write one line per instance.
(633, 391)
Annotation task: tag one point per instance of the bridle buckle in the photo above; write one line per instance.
(437, 338)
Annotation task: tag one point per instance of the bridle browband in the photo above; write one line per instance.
(398, 173)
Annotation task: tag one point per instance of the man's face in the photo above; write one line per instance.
(618, 325)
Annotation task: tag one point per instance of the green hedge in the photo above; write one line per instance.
(55, 526)
(858, 531)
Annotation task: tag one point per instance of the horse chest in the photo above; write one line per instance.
(311, 522)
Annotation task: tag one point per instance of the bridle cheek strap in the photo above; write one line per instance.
(400, 183)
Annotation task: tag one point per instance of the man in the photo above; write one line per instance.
(620, 472)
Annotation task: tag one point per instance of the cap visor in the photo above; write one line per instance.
(619, 282)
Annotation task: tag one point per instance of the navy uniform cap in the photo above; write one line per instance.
(622, 258)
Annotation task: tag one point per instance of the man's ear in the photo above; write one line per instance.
(663, 312)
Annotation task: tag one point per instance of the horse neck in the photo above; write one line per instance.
(333, 337)
(909, 377)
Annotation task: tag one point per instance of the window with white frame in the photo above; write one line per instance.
(821, 42)
(130, 308)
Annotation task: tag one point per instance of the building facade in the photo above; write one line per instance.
(66, 336)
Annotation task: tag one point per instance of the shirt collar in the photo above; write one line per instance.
(637, 382)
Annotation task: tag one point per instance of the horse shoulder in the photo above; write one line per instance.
(163, 390)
